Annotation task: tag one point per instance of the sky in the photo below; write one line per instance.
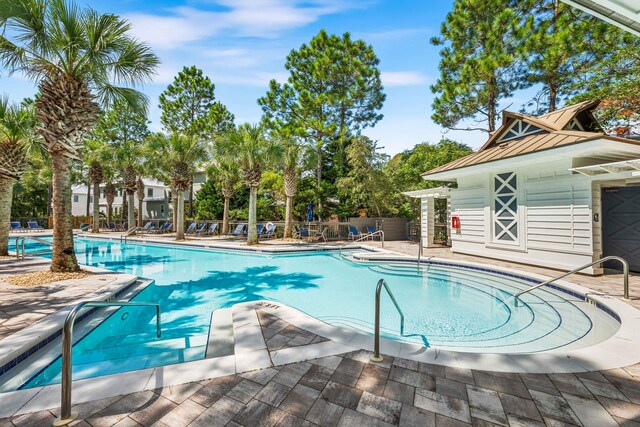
(242, 44)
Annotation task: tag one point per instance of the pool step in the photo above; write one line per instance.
(221, 339)
(141, 348)
(126, 363)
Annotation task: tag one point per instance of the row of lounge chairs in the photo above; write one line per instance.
(31, 226)
(355, 234)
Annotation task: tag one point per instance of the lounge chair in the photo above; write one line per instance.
(191, 229)
(270, 231)
(15, 226)
(213, 229)
(200, 229)
(150, 226)
(34, 226)
(112, 226)
(260, 228)
(237, 232)
(162, 229)
(84, 227)
(353, 233)
(206, 230)
(371, 230)
(303, 233)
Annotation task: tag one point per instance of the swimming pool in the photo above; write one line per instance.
(445, 306)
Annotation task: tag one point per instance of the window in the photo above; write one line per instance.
(574, 124)
(76, 199)
(505, 204)
(518, 129)
(90, 199)
(150, 192)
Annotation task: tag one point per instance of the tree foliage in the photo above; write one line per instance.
(333, 92)
(479, 63)
(189, 106)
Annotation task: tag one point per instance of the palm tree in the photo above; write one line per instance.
(181, 155)
(74, 54)
(128, 159)
(290, 161)
(226, 172)
(255, 151)
(17, 139)
(96, 154)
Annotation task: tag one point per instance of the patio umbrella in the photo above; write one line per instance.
(310, 212)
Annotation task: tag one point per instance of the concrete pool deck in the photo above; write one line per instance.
(353, 391)
(347, 389)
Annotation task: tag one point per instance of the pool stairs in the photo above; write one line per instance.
(220, 341)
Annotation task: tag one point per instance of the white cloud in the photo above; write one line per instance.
(259, 18)
(403, 78)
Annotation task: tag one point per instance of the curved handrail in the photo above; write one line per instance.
(376, 339)
(130, 232)
(66, 416)
(22, 239)
(625, 270)
(365, 237)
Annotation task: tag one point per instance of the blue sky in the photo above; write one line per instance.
(242, 44)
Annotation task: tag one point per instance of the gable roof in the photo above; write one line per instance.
(553, 135)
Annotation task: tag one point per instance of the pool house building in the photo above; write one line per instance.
(550, 190)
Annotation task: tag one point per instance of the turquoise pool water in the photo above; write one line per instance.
(444, 306)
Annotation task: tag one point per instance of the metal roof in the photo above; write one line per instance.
(621, 13)
(553, 135)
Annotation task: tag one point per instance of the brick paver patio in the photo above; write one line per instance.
(350, 390)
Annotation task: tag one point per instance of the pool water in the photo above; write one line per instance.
(444, 306)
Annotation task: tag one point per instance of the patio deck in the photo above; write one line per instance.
(349, 390)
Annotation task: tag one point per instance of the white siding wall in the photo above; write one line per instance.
(468, 202)
(555, 211)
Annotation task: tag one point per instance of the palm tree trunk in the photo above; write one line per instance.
(96, 207)
(109, 212)
(130, 207)
(287, 217)
(64, 256)
(180, 216)
(88, 197)
(225, 215)
(140, 216)
(174, 209)
(6, 195)
(252, 234)
(124, 209)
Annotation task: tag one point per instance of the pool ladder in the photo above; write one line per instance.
(625, 271)
(20, 251)
(376, 339)
(66, 416)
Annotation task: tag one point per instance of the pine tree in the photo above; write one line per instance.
(479, 63)
(333, 92)
(562, 46)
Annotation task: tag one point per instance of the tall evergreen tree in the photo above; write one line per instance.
(333, 91)
(479, 63)
(562, 44)
(189, 107)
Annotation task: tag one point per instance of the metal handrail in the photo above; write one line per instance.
(22, 239)
(66, 416)
(376, 339)
(129, 232)
(625, 270)
(366, 236)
